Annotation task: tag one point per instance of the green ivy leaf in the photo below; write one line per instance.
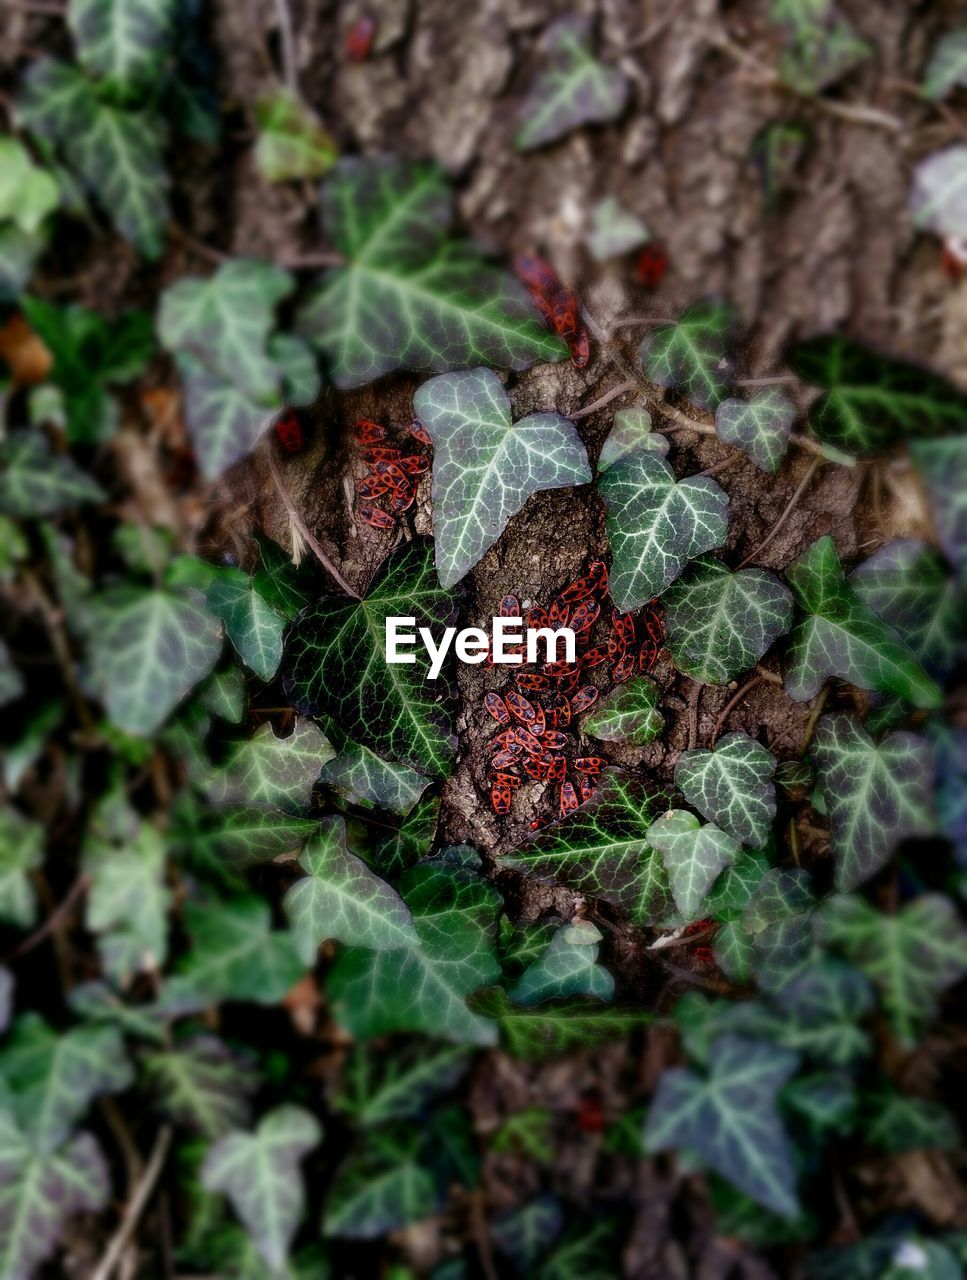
(223, 694)
(906, 585)
(425, 988)
(692, 355)
(219, 842)
(202, 1084)
(615, 230)
(822, 1008)
(35, 481)
(778, 922)
(252, 625)
(876, 794)
(292, 142)
(526, 1235)
(236, 955)
(572, 88)
(339, 897)
(408, 296)
(694, 855)
(40, 1192)
(842, 637)
(730, 1119)
(379, 1189)
(943, 465)
(734, 888)
(378, 1088)
(27, 192)
(631, 432)
(363, 779)
(124, 43)
(819, 55)
(719, 623)
(486, 466)
(871, 400)
(335, 664)
(896, 1123)
(402, 848)
(550, 1030)
(127, 902)
(947, 68)
(117, 152)
(656, 524)
(149, 648)
(938, 193)
(276, 772)
(52, 1079)
(603, 850)
(568, 966)
(910, 957)
(21, 851)
(759, 426)
(259, 1172)
(732, 786)
(627, 714)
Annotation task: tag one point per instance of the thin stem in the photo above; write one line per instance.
(730, 705)
(53, 921)
(309, 538)
(605, 399)
(787, 512)
(630, 322)
(136, 1205)
(60, 644)
(290, 72)
(693, 700)
(814, 715)
(776, 380)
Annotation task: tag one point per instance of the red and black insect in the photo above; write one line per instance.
(382, 453)
(520, 708)
(376, 517)
(288, 431)
(586, 788)
(419, 432)
(568, 798)
(504, 759)
(369, 432)
(594, 657)
(651, 266)
(497, 708)
(359, 38)
(414, 464)
(500, 798)
(589, 764)
(624, 668)
(504, 778)
(532, 683)
(372, 487)
(653, 629)
(556, 302)
(584, 699)
(509, 607)
(585, 615)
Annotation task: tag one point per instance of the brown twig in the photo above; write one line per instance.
(595, 405)
(310, 540)
(53, 921)
(693, 700)
(787, 512)
(135, 1207)
(730, 705)
(813, 717)
(56, 633)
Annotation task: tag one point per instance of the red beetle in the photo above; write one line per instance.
(497, 708)
(589, 764)
(377, 518)
(500, 798)
(509, 607)
(568, 798)
(520, 708)
(419, 432)
(369, 432)
(288, 431)
(652, 265)
(624, 668)
(359, 39)
(583, 699)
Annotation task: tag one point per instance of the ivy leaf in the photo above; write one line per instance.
(408, 844)
(378, 1088)
(572, 88)
(615, 230)
(938, 194)
(379, 1189)
(947, 68)
(730, 1119)
(943, 465)
(409, 296)
(692, 355)
(779, 922)
(720, 623)
(116, 151)
(292, 142)
(527, 1234)
(603, 851)
(627, 714)
(335, 664)
(27, 192)
(906, 585)
(127, 903)
(871, 400)
(52, 1078)
(950, 757)
(630, 433)
(224, 322)
(363, 779)
(21, 851)
(252, 625)
(123, 43)
(259, 1172)
(820, 54)
(895, 1123)
(224, 423)
(550, 1030)
(732, 786)
(219, 842)
(694, 856)
(876, 794)
(149, 648)
(822, 1009)
(202, 1084)
(759, 426)
(910, 957)
(486, 466)
(36, 482)
(842, 637)
(40, 1192)
(656, 524)
(339, 897)
(567, 967)
(276, 772)
(425, 988)
(236, 955)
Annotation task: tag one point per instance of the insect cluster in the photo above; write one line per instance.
(544, 699)
(394, 475)
(556, 302)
